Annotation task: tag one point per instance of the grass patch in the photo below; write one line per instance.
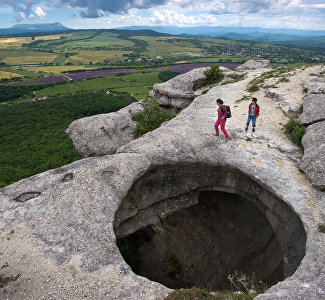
(294, 131)
(283, 79)
(245, 97)
(242, 288)
(253, 88)
(321, 227)
(254, 85)
(151, 117)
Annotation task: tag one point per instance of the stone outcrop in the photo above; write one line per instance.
(274, 94)
(105, 133)
(315, 85)
(290, 109)
(313, 161)
(255, 65)
(58, 229)
(178, 92)
(313, 109)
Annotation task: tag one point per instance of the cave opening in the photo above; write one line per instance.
(183, 235)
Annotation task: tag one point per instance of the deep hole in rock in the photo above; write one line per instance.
(199, 237)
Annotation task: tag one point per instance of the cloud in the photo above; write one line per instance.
(40, 12)
(93, 7)
(23, 9)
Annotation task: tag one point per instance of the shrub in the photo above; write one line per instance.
(243, 287)
(253, 88)
(166, 75)
(213, 75)
(204, 91)
(151, 117)
(294, 131)
(283, 79)
(321, 227)
(174, 264)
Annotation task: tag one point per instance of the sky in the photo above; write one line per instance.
(77, 14)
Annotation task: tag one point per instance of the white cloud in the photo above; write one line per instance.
(22, 15)
(40, 12)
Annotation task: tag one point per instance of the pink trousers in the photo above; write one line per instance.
(222, 126)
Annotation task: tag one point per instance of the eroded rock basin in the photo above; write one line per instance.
(194, 225)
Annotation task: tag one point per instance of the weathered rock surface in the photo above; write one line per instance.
(315, 85)
(105, 133)
(290, 109)
(255, 65)
(178, 92)
(268, 83)
(274, 94)
(56, 228)
(313, 161)
(313, 109)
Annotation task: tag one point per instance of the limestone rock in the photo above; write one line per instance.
(274, 94)
(234, 74)
(313, 109)
(319, 72)
(268, 83)
(178, 92)
(290, 109)
(57, 227)
(315, 85)
(313, 161)
(105, 133)
(255, 65)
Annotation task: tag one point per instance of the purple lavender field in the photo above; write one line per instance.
(176, 68)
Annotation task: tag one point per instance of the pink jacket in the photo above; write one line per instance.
(222, 112)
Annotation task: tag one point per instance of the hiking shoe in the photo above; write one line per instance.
(227, 139)
(253, 129)
(246, 128)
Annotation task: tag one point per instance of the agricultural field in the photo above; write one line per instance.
(56, 69)
(33, 58)
(84, 57)
(138, 85)
(167, 45)
(15, 42)
(7, 75)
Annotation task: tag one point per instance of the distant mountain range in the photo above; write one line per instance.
(27, 28)
(280, 36)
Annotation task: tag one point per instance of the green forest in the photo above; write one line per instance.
(32, 136)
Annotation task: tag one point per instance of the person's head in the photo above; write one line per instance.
(254, 100)
(219, 102)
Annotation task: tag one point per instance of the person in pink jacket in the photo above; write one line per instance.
(222, 118)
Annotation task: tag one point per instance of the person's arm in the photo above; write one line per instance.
(257, 111)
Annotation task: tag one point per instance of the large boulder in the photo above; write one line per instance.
(290, 109)
(313, 161)
(178, 92)
(313, 109)
(315, 85)
(255, 65)
(105, 133)
(274, 94)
